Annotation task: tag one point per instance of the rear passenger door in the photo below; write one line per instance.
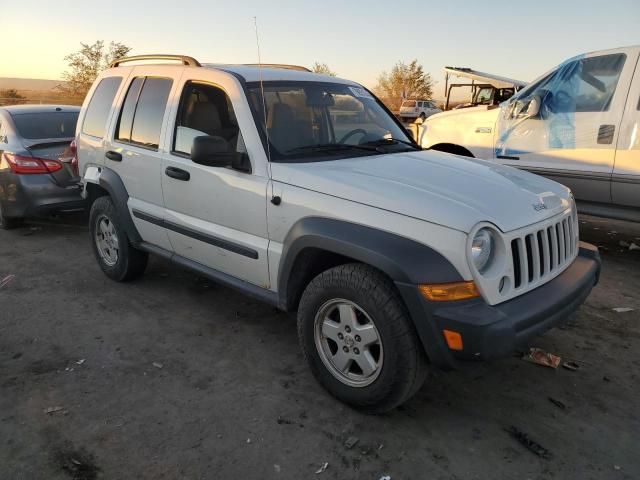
(625, 185)
(134, 152)
(215, 216)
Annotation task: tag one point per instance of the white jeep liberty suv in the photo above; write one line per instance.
(305, 192)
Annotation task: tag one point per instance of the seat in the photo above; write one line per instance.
(284, 131)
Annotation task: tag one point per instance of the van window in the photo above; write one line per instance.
(143, 110)
(205, 110)
(95, 119)
(409, 103)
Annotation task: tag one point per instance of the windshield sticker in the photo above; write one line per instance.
(360, 92)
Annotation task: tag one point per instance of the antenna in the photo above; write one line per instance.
(274, 199)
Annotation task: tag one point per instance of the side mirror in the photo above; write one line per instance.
(533, 109)
(211, 151)
(217, 152)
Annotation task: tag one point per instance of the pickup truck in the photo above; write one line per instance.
(578, 124)
(305, 192)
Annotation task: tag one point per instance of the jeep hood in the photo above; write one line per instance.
(449, 190)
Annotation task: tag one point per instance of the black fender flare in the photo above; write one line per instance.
(402, 259)
(407, 262)
(113, 184)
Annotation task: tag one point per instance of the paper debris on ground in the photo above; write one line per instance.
(322, 468)
(634, 246)
(573, 366)
(385, 477)
(51, 410)
(351, 442)
(157, 364)
(623, 309)
(558, 403)
(539, 356)
(530, 444)
(81, 361)
(6, 281)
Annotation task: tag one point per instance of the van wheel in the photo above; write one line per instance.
(8, 223)
(358, 340)
(423, 116)
(118, 259)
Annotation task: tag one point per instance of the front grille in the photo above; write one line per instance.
(543, 252)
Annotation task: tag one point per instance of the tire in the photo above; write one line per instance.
(118, 259)
(9, 223)
(399, 359)
(423, 116)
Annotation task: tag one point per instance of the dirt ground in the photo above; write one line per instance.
(174, 377)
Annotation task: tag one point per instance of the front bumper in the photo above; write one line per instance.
(496, 331)
(32, 195)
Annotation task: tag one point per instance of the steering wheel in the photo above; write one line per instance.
(351, 134)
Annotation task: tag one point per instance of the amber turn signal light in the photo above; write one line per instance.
(454, 339)
(448, 292)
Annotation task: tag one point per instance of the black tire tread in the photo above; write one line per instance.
(131, 261)
(411, 370)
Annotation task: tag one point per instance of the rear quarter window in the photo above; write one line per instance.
(143, 110)
(46, 125)
(95, 120)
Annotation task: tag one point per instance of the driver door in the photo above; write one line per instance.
(572, 137)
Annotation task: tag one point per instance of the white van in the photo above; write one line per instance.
(412, 109)
(577, 124)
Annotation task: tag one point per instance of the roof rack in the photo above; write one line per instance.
(278, 65)
(189, 61)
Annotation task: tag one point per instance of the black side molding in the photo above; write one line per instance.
(203, 237)
(247, 288)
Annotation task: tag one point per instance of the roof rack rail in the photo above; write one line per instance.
(186, 60)
(278, 65)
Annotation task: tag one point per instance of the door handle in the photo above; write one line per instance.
(177, 173)
(605, 134)
(114, 156)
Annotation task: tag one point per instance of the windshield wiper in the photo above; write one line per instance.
(393, 141)
(327, 147)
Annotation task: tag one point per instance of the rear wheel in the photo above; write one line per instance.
(116, 256)
(8, 223)
(357, 337)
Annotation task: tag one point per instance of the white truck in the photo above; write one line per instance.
(578, 124)
(304, 191)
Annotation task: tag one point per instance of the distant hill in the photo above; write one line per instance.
(33, 84)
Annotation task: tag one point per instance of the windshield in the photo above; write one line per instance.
(46, 125)
(313, 121)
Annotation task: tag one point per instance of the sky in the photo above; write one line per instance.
(357, 39)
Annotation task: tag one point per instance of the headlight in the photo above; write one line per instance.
(482, 248)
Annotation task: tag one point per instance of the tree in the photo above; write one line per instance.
(87, 63)
(404, 81)
(11, 97)
(323, 69)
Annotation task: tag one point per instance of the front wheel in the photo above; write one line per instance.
(118, 259)
(357, 337)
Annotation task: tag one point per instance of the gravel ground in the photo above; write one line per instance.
(173, 377)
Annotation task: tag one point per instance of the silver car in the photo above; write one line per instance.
(38, 166)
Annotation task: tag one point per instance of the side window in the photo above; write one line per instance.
(143, 110)
(95, 119)
(584, 85)
(205, 110)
